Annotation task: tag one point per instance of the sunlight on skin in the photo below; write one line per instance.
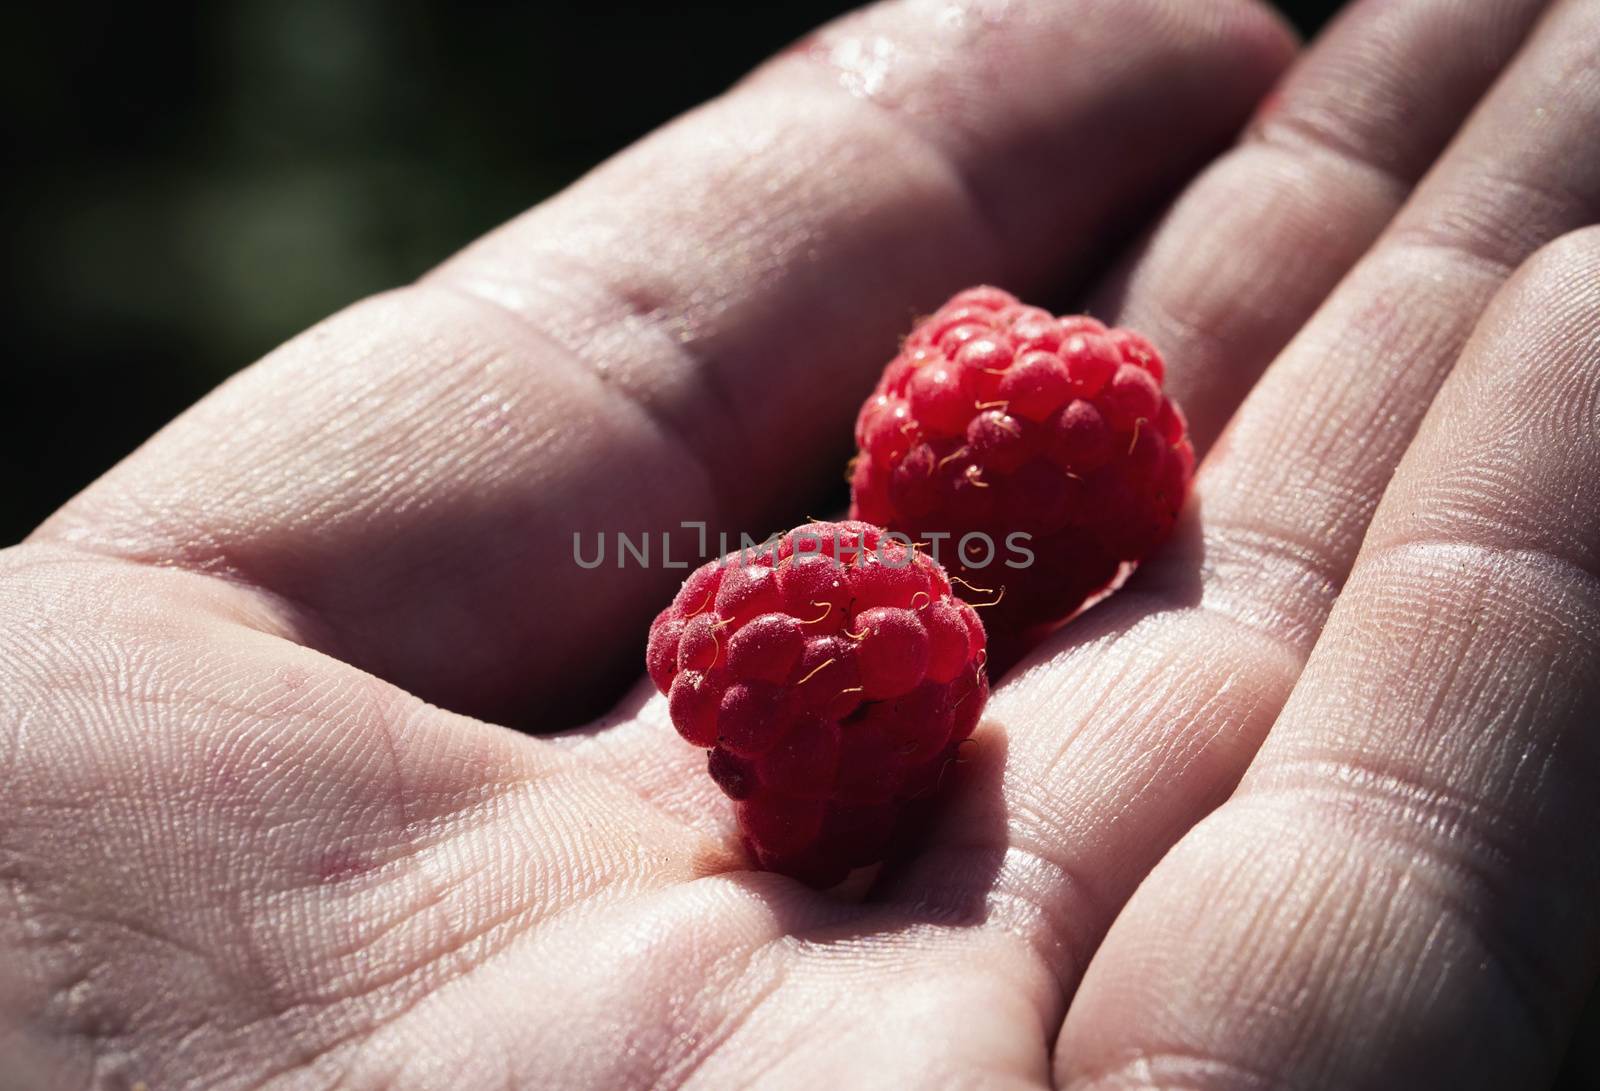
(241, 848)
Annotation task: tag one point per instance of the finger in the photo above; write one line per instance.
(1141, 716)
(1401, 893)
(684, 335)
(1260, 239)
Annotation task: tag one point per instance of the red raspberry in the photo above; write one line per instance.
(832, 675)
(998, 418)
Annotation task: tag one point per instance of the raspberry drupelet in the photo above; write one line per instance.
(832, 676)
(999, 418)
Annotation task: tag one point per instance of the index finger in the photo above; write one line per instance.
(684, 335)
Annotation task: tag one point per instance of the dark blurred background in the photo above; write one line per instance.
(188, 184)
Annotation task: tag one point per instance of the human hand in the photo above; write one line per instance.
(236, 857)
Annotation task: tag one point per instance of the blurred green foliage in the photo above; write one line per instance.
(187, 185)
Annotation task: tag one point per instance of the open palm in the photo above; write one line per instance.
(244, 844)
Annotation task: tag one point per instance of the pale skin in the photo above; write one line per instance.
(1310, 803)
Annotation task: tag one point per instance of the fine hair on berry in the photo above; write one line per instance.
(998, 418)
(831, 677)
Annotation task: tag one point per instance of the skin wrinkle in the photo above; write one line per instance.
(756, 936)
(1301, 136)
(673, 433)
(1225, 330)
(1048, 916)
(212, 551)
(521, 936)
(1158, 1042)
(703, 360)
(277, 982)
(672, 784)
(1471, 869)
(1165, 685)
(684, 1070)
(1565, 615)
(1359, 956)
(1326, 487)
(1305, 581)
(419, 995)
(1476, 871)
(1305, 916)
(1054, 831)
(525, 915)
(1129, 682)
(16, 778)
(795, 1035)
(1178, 1070)
(1360, 93)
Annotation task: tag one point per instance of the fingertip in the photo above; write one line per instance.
(1258, 40)
(1552, 302)
(1266, 29)
(1565, 262)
